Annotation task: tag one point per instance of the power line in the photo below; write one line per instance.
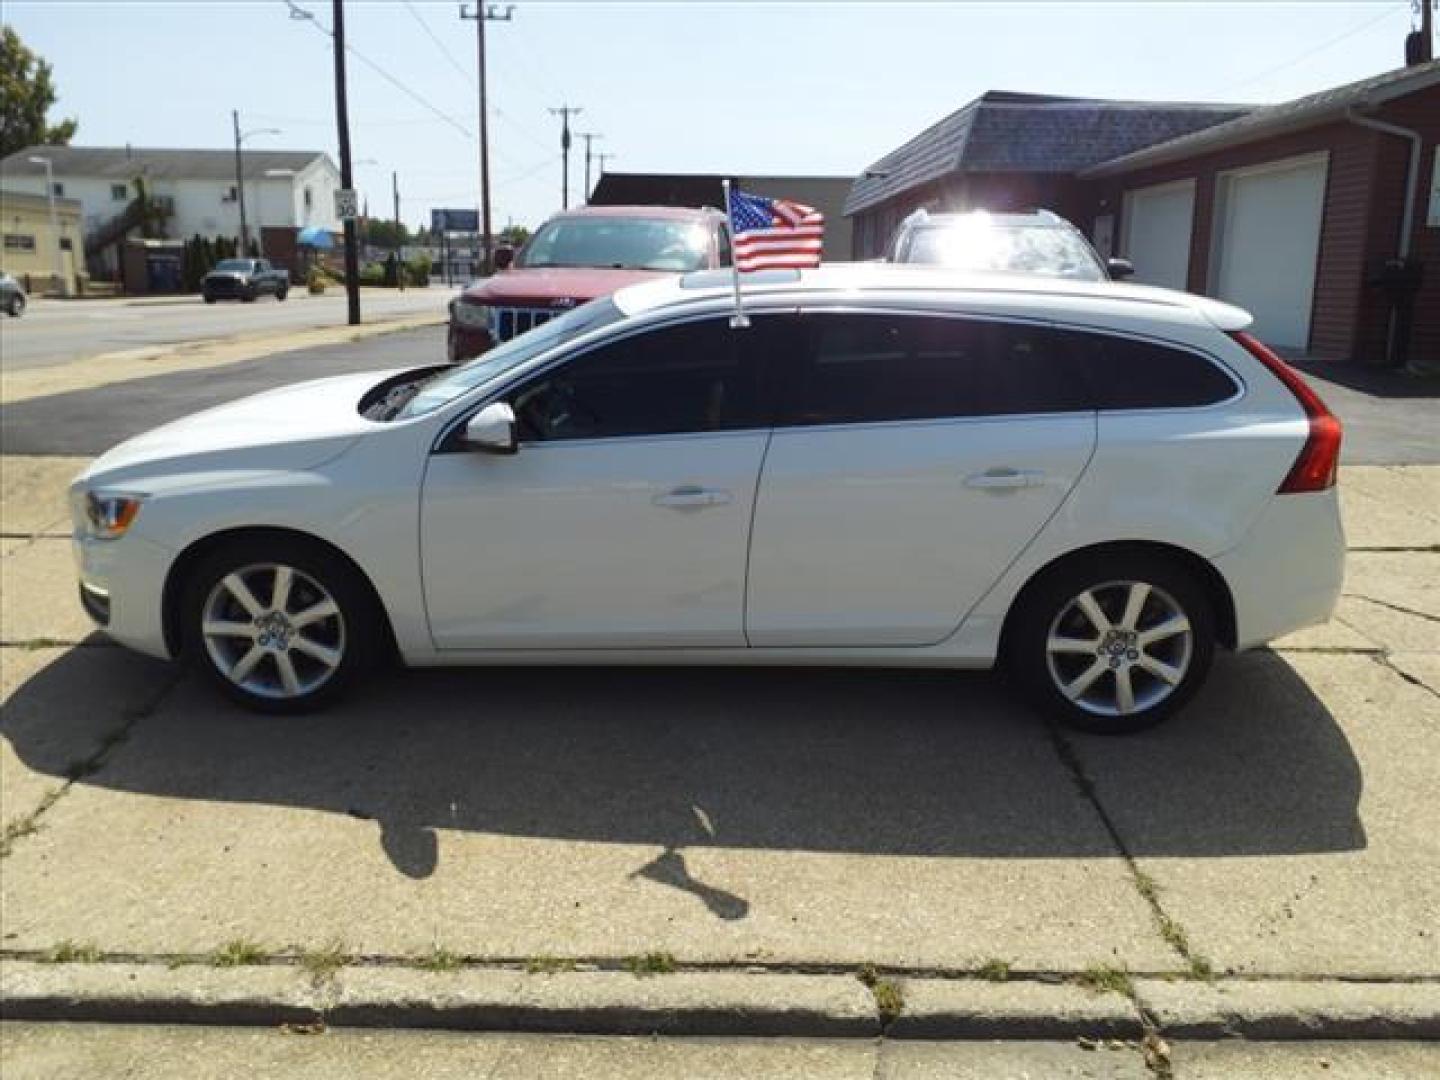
(298, 12)
(1318, 48)
(439, 44)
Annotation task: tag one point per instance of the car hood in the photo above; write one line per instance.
(294, 427)
(580, 283)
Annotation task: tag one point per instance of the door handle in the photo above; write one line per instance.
(690, 497)
(1005, 479)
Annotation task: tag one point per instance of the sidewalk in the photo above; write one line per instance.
(728, 852)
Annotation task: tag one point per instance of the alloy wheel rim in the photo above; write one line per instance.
(273, 631)
(1119, 648)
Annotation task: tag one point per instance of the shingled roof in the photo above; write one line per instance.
(126, 163)
(1008, 132)
(1264, 123)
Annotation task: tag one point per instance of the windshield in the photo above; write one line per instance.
(445, 388)
(629, 243)
(234, 266)
(1019, 249)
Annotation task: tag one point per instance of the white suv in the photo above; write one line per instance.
(891, 465)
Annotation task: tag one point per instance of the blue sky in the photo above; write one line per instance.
(814, 88)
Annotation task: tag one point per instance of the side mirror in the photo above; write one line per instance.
(1119, 269)
(504, 256)
(492, 429)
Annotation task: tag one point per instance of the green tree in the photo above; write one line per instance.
(515, 236)
(26, 94)
(382, 233)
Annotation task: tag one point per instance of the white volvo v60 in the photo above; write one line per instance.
(893, 466)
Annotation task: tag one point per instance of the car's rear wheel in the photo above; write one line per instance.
(280, 625)
(1114, 644)
(209, 299)
(280, 294)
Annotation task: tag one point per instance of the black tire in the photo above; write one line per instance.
(209, 299)
(357, 631)
(248, 296)
(16, 307)
(1050, 602)
(280, 294)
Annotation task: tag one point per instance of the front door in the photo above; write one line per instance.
(622, 522)
(915, 457)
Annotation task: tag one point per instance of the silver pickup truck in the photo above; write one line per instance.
(244, 279)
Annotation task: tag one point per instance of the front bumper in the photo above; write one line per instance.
(122, 585)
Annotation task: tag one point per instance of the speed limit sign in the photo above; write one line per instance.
(347, 203)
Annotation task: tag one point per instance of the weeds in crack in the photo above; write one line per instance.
(889, 997)
(323, 962)
(72, 952)
(994, 970)
(651, 963)
(1105, 978)
(239, 952)
(439, 960)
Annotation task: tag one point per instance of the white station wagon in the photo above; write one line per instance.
(891, 466)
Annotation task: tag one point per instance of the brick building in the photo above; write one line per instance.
(1306, 213)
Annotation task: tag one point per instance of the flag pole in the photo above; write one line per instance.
(739, 320)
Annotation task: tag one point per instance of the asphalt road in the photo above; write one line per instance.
(1389, 419)
(59, 331)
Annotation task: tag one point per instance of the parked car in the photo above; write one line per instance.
(1035, 242)
(245, 279)
(577, 256)
(1093, 483)
(12, 296)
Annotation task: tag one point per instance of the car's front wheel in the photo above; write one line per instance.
(1114, 644)
(280, 625)
(280, 294)
(16, 307)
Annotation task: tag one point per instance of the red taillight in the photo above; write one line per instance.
(1315, 468)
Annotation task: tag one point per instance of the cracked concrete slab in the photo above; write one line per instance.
(1307, 792)
(52, 709)
(33, 493)
(42, 602)
(1424, 668)
(1390, 505)
(1367, 1060)
(718, 815)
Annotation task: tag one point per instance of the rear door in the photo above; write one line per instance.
(914, 456)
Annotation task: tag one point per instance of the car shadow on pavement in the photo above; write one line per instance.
(939, 764)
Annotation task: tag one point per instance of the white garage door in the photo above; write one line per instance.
(1157, 232)
(1268, 235)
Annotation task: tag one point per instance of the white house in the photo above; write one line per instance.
(285, 190)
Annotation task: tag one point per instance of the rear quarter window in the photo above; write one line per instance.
(1130, 373)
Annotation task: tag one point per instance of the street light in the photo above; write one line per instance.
(240, 180)
(60, 282)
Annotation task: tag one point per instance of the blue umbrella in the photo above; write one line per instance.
(316, 237)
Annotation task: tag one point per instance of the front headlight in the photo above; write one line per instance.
(474, 316)
(107, 515)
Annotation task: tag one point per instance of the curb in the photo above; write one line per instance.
(708, 1003)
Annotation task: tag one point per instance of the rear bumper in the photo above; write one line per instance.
(1287, 572)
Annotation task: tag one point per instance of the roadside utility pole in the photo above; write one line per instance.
(399, 242)
(565, 112)
(484, 13)
(588, 136)
(602, 158)
(342, 124)
(240, 188)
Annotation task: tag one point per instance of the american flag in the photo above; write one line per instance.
(774, 232)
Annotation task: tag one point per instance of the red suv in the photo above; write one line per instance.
(577, 256)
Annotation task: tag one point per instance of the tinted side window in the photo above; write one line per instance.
(686, 378)
(1128, 374)
(868, 368)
